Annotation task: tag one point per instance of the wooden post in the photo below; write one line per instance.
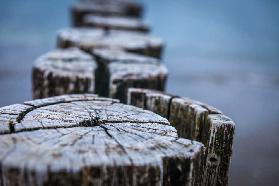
(116, 23)
(105, 8)
(119, 70)
(87, 140)
(63, 71)
(66, 71)
(89, 39)
(197, 121)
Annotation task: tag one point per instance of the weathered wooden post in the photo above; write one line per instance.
(89, 39)
(116, 23)
(63, 71)
(88, 140)
(105, 8)
(197, 121)
(119, 70)
(67, 71)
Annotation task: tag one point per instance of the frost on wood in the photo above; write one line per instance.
(197, 121)
(105, 8)
(88, 140)
(119, 70)
(116, 23)
(63, 71)
(89, 39)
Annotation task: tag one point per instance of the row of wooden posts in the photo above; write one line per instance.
(124, 54)
(79, 138)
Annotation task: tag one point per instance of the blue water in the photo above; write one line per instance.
(225, 53)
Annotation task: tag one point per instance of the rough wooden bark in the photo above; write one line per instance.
(88, 140)
(116, 23)
(197, 121)
(89, 39)
(63, 71)
(105, 8)
(119, 70)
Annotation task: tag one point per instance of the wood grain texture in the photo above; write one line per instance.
(89, 39)
(119, 70)
(197, 121)
(116, 23)
(155, 101)
(63, 71)
(66, 71)
(88, 140)
(104, 8)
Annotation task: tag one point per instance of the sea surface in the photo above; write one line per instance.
(224, 53)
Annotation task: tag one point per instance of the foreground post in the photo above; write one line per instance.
(87, 140)
(197, 121)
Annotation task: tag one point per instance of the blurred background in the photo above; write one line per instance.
(223, 53)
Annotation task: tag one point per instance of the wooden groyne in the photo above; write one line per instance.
(80, 130)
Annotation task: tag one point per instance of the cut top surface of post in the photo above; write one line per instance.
(115, 7)
(85, 139)
(116, 23)
(122, 71)
(89, 39)
(72, 61)
(108, 55)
